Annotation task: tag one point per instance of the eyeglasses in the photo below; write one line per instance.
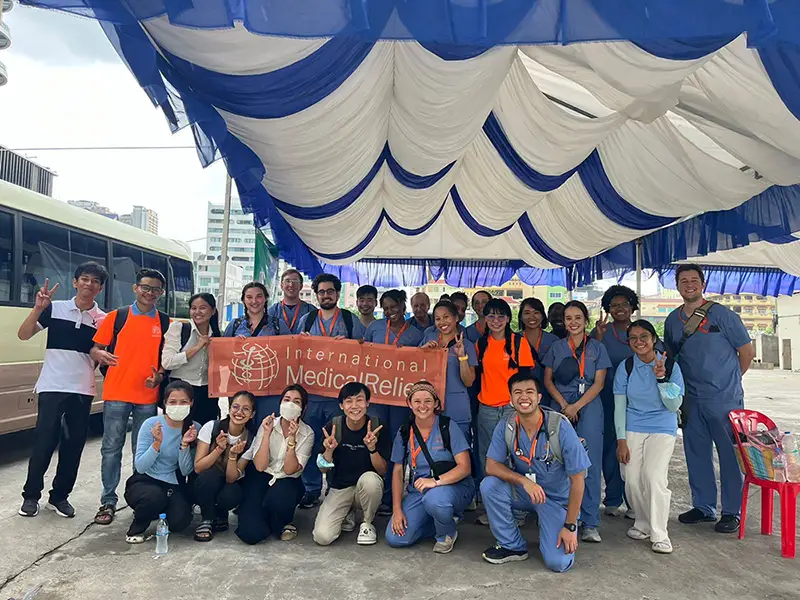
(645, 337)
(496, 317)
(149, 289)
(326, 293)
(619, 305)
(291, 281)
(245, 410)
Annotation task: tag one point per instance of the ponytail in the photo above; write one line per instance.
(512, 364)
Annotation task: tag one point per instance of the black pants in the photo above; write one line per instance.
(149, 497)
(266, 509)
(214, 495)
(70, 439)
(204, 409)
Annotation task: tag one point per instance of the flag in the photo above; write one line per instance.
(265, 267)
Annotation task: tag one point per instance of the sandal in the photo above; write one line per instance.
(289, 533)
(219, 525)
(105, 516)
(204, 532)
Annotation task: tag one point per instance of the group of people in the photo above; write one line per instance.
(530, 422)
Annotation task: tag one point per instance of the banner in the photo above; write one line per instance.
(266, 365)
(265, 263)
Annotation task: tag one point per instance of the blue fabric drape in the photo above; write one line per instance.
(684, 49)
(470, 221)
(782, 62)
(740, 280)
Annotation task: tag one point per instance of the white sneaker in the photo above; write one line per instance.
(483, 519)
(349, 523)
(367, 535)
(447, 545)
(612, 511)
(590, 534)
(630, 514)
(664, 547)
(637, 535)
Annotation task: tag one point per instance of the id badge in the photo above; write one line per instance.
(531, 476)
(582, 387)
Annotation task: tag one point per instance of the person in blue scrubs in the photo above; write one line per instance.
(555, 315)
(532, 323)
(366, 301)
(329, 321)
(620, 302)
(460, 299)
(392, 330)
(255, 323)
(285, 315)
(435, 499)
(529, 478)
(479, 300)
(713, 361)
(420, 305)
(575, 373)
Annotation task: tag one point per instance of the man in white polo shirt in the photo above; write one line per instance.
(65, 386)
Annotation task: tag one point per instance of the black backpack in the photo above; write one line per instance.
(119, 322)
(668, 365)
(221, 425)
(437, 468)
(347, 317)
(237, 322)
(475, 389)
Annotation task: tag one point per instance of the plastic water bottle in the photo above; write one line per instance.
(162, 535)
(779, 465)
(792, 454)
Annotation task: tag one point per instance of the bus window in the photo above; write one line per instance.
(84, 248)
(182, 286)
(155, 261)
(127, 261)
(45, 255)
(6, 255)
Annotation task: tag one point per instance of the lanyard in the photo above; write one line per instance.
(582, 362)
(286, 317)
(415, 451)
(333, 324)
(517, 451)
(616, 335)
(389, 331)
(479, 328)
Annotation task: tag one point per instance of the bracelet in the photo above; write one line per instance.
(463, 358)
(291, 444)
(233, 457)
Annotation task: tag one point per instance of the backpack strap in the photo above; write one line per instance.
(629, 365)
(669, 365)
(310, 318)
(186, 332)
(119, 322)
(517, 344)
(510, 434)
(347, 317)
(163, 319)
(338, 422)
(693, 324)
(237, 322)
(444, 428)
(424, 447)
(554, 420)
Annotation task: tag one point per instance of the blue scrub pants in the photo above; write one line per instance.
(590, 428)
(265, 406)
(708, 426)
(488, 418)
(615, 487)
(393, 418)
(431, 514)
(318, 413)
(501, 503)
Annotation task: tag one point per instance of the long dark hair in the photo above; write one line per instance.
(213, 322)
(303, 395)
(535, 304)
(180, 385)
(498, 305)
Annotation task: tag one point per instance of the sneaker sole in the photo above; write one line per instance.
(347, 529)
(58, 512)
(367, 542)
(22, 513)
(662, 551)
(507, 559)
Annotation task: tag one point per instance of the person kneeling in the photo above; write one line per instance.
(164, 447)
(431, 464)
(535, 463)
(272, 485)
(355, 458)
(220, 443)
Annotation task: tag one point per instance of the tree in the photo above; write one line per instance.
(659, 325)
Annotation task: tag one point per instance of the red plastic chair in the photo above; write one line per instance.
(748, 421)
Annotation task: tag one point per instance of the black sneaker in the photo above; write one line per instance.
(384, 510)
(497, 555)
(29, 508)
(309, 501)
(62, 508)
(690, 517)
(727, 524)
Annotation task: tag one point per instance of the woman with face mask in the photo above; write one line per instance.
(272, 486)
(532, 321)
(220, 443)
(164, 458)
(432, 484)
(575, 373)
(185, 354)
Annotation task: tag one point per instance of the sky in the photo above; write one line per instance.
(67, 88)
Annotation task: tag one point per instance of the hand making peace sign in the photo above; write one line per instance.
(458, 348)
(371, 439)
(44, 296)
(660, 368)
(329, 439)
(602, 325)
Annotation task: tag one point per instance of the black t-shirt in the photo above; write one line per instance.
(351, 457)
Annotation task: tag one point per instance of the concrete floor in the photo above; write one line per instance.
(74, 559)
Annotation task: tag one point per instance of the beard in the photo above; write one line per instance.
(327, 303)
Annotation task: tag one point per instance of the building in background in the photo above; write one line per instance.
(206, 277)
(788, 330)
(241, 236)
(25, 173)
(142, 218)
(757, 312)
(95, 207)
(5, 37)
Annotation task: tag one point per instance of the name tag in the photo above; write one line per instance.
(531, 476)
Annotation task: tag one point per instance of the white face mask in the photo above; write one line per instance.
(178, 412)
(290, 411)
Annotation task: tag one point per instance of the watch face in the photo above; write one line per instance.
(570, 526)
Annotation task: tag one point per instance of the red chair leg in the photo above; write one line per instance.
(788, 521)
(767, 498)
(743, 518)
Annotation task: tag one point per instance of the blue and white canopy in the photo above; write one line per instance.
(438, 134)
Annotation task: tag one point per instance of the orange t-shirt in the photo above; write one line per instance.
(496, 372)
(137, 350)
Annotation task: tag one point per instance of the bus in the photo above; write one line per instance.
(43, 238)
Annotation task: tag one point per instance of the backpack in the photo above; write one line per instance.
(437, 468)
(553, 421)
(691, 326)
(119, 322)
(311, 317)
(237, 322)
(669, 364)
(221, 425)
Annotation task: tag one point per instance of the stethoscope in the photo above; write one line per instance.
(548, 456)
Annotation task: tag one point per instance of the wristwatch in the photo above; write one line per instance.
(372, 451)
(571, 527)
(662, 380)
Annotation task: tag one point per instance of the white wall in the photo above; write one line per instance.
(789, 327)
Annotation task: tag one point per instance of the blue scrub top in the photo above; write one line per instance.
(339, 328)
(276, 316)
(645, 411)
(473, 335)
(244, 329)
(456, 394)
(548, 339)
(552, 475)
(417, 325)
(708, 359)
(376, 333)
(458, 444)
(596, 359)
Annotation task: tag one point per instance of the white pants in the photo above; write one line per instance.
(645, 478)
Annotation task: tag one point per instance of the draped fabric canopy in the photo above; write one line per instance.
(435, 134)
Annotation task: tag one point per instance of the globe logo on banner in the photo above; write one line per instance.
(254, 365)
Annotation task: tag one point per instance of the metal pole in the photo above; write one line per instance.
(639, 276)
(223, 261)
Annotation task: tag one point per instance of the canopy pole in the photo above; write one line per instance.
(223, 261)
(639, 276)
